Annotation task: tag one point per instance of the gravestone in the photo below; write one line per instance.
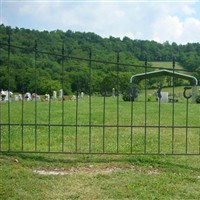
(16, 97)
(20, 97)
(73, 98)
(164, 97)
(54, 94)
(3, 95)
(82, 95)
(27, 96)
(61, 93)
(6, 97)
(47, 97)
(113, 92)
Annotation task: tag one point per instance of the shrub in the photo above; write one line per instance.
(127, 97)
(198, 99)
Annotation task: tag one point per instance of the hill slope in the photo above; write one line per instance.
(76, 44)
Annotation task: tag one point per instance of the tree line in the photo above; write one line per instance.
(46, 70)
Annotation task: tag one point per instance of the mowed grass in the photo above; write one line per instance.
(121, 129)
(166, 64)
(99, 177)
(105, 126)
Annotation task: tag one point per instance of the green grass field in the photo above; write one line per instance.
(162, 64)
(118, 130)
(84, 176)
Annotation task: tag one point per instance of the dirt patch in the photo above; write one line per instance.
(93, 170)
(80, 170)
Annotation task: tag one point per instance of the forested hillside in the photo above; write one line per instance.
(52, 73)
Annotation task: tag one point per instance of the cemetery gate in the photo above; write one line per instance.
(105, 114)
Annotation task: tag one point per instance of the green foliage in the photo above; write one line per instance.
(74, 76)
(126, 97)
(198, 99)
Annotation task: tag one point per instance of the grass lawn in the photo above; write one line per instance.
(84, 176)
(99, 177)
(162, 64)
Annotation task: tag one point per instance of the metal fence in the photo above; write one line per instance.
(100, 123)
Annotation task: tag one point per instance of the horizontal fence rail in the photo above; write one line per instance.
(96, 122)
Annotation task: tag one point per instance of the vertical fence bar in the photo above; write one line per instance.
(145, 117)
(104, 117)
(187, 111)
(90, 100)
(22, 118)
(131, 123)
(173, 106)
(36, 82)
(186, 134)
(0, 127)
(199, 140)
(49, 121)
(77, 120)
(199, 127)
(159, 112)
(62, 97)
(118, 102)
(0, 112)
(9, 136)
(159, 128)
(77, 106)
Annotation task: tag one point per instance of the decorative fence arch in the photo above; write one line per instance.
(135, 79)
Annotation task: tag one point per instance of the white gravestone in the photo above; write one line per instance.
(6, 97)
(16, 97)
(113, 92)
(82, 95)
(54, 95)
(61, 93)
(164, 97)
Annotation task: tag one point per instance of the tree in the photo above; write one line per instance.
(24, 75)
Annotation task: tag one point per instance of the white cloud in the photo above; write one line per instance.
(158, 21)
(169, 28)
(191, 31)
(188, 10)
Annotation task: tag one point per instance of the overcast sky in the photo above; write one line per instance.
(174, 21)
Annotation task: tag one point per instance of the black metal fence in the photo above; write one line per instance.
(101, 122)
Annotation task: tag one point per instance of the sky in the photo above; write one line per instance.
(167, 20)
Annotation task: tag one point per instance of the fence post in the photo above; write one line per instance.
(62, 96)
(145, 117)
(173, 106)
(9, 136)
(90, 100)
(36, 87)
(0, 112)
(186, 136)
(159, 113)
(117, 102)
